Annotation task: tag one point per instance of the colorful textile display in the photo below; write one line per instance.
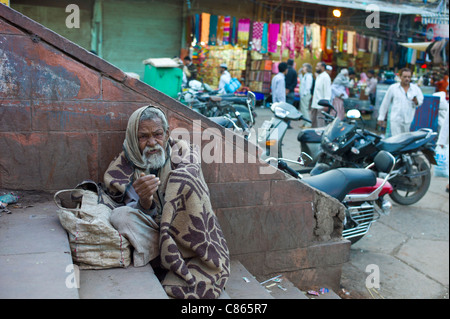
(257, 35)
(274, 30)
(205, 27)
(287, 38)
(226, 29)
(213, 30)
(220, 25)
(264, 40)
(243, 32)
(298, 38)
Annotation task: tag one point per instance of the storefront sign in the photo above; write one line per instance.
(437, 31)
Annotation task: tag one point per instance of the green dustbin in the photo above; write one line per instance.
(163, 77)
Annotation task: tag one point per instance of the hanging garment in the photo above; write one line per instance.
(264, 39)
(350, 43)
(287, 38)
(329, 39)
(226, 30)
(257, 34)
(344, 41)
(233, 35)
(197, 28)
(213, 30)
(315, 30)
(220, 24)
(298, 38)
(243, 32)
(274, 29)
(341, 41)
(205, 28)
(323, 38)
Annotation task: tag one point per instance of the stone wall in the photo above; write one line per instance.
(63, 115)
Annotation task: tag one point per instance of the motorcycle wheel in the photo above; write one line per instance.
(408, 197)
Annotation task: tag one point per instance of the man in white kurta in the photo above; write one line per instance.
(322, 90)
(399, 104)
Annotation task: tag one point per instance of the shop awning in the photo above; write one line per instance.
(363, 5)
(434, 18)
(419, 46)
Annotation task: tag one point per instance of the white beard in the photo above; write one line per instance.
(154, 161)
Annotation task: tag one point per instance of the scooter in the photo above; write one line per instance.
(271, 134)
(346, 144)
(359, 190)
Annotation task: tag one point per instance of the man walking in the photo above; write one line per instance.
(399, 104)
(279, 84)
(291, 82)
(322, 90)
(306, 86)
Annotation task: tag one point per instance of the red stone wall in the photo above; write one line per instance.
(63, 114)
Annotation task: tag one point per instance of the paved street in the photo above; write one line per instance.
(408, 248)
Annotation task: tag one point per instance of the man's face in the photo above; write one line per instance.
(153, 142)
(405, 78)
(319, 68)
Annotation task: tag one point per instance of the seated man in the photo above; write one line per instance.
(166, 209)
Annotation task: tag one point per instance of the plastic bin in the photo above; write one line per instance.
(163, 77)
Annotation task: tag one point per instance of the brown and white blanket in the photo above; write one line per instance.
(192, 246)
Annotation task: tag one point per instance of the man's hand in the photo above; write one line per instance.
(145, 186)
(416, 102)
(381, 123)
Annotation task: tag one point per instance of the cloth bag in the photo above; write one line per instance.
(441, 169)
(94, 242)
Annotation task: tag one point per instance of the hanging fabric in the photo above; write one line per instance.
(197, 28)
(226, 30)
(298, 38)
(205, 28)
(350, 43)
(243, 32)
(329, 39)
(323, 38)
(287, 38)
(257, 34)
(341, 41)
(315, 45)
(220, 24)
(213, 30)
(274, 29)
(233, 35)
(264, 39)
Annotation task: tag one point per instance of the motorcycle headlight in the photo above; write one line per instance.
(333, 146)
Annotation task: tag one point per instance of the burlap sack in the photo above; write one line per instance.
(94, 242)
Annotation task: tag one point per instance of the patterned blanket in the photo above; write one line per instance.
(192, 246)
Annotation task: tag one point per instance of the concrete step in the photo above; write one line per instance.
(35, 262)
(121, 283)
(35, 259)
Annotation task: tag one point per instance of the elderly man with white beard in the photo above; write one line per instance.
(165, 210)
(146, 147)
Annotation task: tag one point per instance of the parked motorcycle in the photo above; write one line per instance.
(359, 190)
(202, 99)
(232, 117)
(272, 133)
(347, 144)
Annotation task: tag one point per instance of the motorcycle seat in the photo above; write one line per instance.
(222, 121)
(397, 142)
(339, 182)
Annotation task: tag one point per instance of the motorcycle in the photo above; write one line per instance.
(346, 144)
(202, 99)
(359, 190)
(271, 134)
(232, 117)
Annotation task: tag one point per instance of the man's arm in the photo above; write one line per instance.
(385, 106)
